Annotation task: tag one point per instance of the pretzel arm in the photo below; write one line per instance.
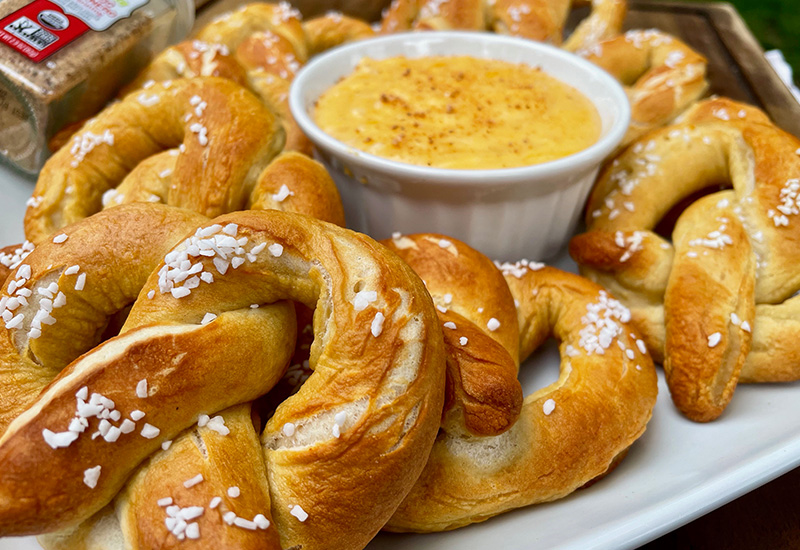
(604, 21)
(399, 15)
(71, 185)
(540, 20)
(709, 295)
(662, 75)
(333, 29)
(774, 354)
(150, 181)
(295, 183)
(233, 487)
(442, 15)
(483, 394)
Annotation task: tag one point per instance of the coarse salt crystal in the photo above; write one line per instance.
(463, 340)
(299, 513)
(189, 483)
(714, 339)
(149, 431)
(377, 324)
(282, 194)
(548, 407)
(90, 476)
(450, 324)
(60, 238)
(288, 429)
(217, 424)
(207, 318)
(233, 492)
(363, 298)
(493, 324)
(276, 250)
(261, 521)
(141, 389)
(81, 282)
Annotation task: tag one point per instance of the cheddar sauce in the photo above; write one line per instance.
(457, 112)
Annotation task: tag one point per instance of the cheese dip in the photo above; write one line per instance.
(457, 112)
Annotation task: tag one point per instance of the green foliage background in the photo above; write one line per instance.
(776, 24)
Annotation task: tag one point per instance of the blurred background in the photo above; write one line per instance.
(776, 24)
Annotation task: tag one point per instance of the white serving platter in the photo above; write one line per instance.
(676, 472)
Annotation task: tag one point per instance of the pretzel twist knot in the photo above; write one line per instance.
(540, 20)
(560, 437)
(345, 449)
(715, 304)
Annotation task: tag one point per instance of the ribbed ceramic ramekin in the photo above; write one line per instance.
(508, 214)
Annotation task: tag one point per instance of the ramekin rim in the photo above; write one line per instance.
(582, 160)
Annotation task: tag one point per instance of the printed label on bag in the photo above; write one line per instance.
(45, 26)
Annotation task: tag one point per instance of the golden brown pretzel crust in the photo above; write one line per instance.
(226, 138)
(735, 246)
(567, 434)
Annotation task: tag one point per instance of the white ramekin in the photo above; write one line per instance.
(508, 213)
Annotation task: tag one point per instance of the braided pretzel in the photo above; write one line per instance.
(566, 434)
(662, 75)
(541, 20)
(712, 303)
(203, 116)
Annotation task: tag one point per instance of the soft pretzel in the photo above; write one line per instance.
(662, 75)
(380, 384)
(712, 302)
(567, 434)
(203, 116)
(541, 20)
